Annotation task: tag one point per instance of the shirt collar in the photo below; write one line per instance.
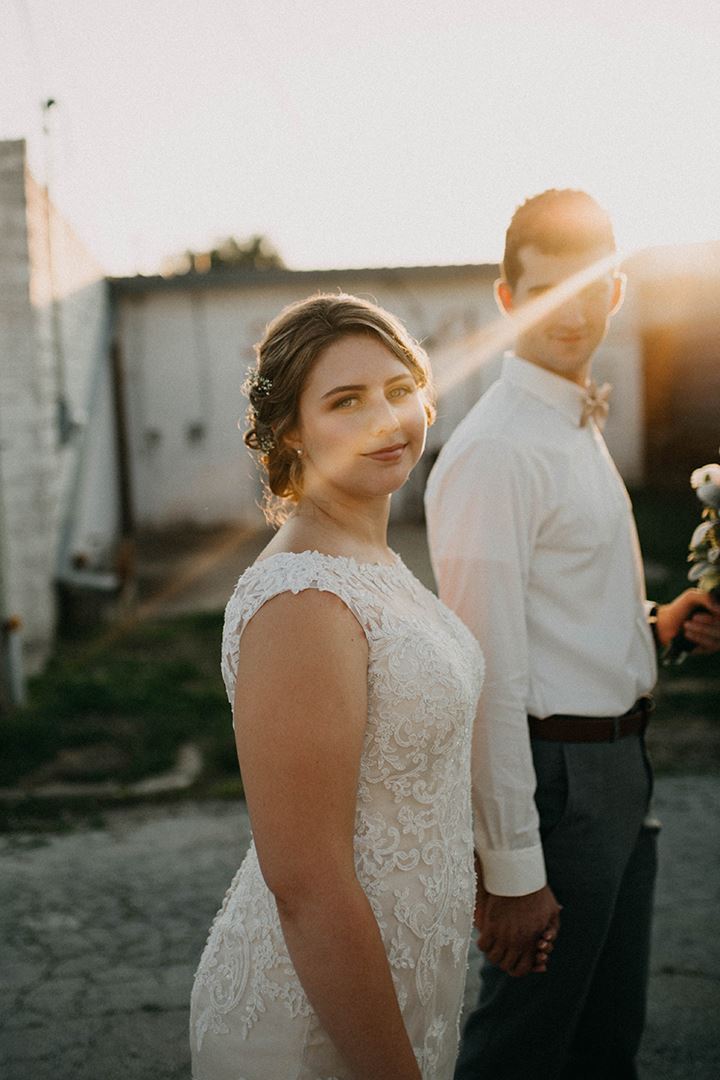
(560, 394)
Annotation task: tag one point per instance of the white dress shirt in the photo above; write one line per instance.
(534, 545)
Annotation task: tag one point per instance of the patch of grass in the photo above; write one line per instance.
(139, 693)
(228, 788)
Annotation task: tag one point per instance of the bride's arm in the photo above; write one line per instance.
(300, 719)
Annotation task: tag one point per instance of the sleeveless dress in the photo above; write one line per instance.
(250, 1017)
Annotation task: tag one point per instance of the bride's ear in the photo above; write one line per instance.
(291, 439)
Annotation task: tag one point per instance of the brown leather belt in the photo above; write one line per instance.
(561, 728)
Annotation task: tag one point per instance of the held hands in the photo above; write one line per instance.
(701, 628)
(517, 932)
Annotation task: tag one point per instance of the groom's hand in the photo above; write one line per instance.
(517, 932)
(702, 628)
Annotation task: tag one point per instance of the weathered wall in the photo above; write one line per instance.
(53, 325)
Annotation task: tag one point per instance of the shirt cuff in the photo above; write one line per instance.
(513, 873)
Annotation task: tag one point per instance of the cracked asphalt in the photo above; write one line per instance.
(101, 929)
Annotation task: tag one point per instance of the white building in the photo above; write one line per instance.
(186, 343)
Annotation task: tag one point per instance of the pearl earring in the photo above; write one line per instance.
(299, 452)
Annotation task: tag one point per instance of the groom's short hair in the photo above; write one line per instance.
(556, 222)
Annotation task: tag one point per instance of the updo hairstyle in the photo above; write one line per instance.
(292, 342)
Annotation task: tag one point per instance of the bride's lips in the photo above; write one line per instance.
(388, 453)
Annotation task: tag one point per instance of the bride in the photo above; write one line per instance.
(340, 948)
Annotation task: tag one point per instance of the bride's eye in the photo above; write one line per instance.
(344, 403)
(402, 391)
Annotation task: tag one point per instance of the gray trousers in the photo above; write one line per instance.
(583, 1019)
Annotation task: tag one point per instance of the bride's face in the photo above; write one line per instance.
(362, 420)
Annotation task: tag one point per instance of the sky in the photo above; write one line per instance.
(362, 132)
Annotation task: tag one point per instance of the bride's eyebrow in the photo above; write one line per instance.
(342, 389)
(362, 386)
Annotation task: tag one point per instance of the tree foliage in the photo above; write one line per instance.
(256, 252)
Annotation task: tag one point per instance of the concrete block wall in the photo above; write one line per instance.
(26, 453)
(36, 467)
(73, 342)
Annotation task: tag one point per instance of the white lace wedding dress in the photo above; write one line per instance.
(250, 1018)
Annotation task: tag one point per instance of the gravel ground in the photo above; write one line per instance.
(100, 931)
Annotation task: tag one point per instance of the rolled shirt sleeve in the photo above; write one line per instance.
(481, 516)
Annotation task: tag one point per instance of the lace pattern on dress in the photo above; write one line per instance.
(413, 828)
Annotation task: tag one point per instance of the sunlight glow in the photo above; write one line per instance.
(452, 365)
(405, 137)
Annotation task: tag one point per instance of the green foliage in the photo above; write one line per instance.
(141, 694)
(255, 252)
(665, 524)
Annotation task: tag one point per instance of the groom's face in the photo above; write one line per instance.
(563, 341)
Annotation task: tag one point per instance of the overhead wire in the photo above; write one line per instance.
(48, 105)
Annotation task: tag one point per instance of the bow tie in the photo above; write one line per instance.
(596, 405)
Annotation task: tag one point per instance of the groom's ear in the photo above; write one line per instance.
(618, 293)
(503, 296)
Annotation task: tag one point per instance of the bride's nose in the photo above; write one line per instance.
(384, 418)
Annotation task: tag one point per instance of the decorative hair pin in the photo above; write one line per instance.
(259, 385)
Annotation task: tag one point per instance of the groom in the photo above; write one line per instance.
(534, 546)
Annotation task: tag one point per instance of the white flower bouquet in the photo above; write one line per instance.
(704, 553)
